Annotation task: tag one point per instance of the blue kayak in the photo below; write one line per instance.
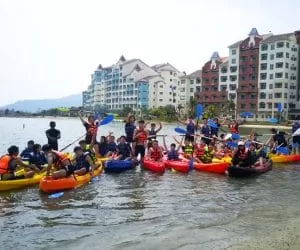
(117, 166)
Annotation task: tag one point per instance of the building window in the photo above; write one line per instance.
(263, 66)
(198, 89)
(253, 105)
(270, 86)
(285, 95)
(243, 59)
(191, 81)
(223, 78)
(233, 61)
(280, 45)
(243, 78)
(233, 78)
(279, 55)
(263, 85)
(232, 96)
(263, 76)
(161, 93)
(272, 46)
(278, 95)
(271, 66)
(264, 47)
(279, 65)
(285, 105)
(243, 105)
(223, 87)
(264, 57)
(278, 75)
(161, 86)
(233, 69)
(287, 55)
(191, 90)
(278, 85)
(272, 57)
(160, 100)
(233, 52)
(262, 105)
(198, 80)
(232, 87)
(286, 65)
(286, 75)
(287, 44)
(262, 95)
(270, 96)
(286, 85)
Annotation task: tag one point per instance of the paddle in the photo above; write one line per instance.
(106, 120)
(180, 130)
(64, 148)
(297, 132)
(199, 110)
(235, 136)
(56, 195)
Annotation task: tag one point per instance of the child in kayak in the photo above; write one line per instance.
(123, 150)
(38, 158)
(111, 145)
(199, 151)
(83, 162)
(155, 152)
(172, 153)
(27, 151)
(209, 154)
(9, 164)
(60, 162)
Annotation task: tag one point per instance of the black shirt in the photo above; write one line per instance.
(55, 133)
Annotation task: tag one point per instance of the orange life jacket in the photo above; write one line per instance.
(92, 129)
(155, 154)
(4, 163)
(142, 136)
(60, 158)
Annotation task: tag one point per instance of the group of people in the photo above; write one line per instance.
(201, 142)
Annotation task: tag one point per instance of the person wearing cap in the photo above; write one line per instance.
(242, 156)
(83, 162)
(123, 150)
(53, 135)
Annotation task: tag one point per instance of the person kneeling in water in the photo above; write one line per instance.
(60, 162)
(9, 164)
(155, 152)
(83, 162)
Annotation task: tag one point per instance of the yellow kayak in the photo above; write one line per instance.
(284, 158)
(21, 183)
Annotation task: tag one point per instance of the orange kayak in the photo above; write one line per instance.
(285, 158)
(180, 166)
(218, 168)
(154, 166)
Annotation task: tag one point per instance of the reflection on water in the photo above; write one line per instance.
(139, 209)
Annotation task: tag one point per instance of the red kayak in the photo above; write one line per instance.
(218, 168)
(155, 166)
(180, 166)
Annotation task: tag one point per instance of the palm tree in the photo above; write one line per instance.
(229, 108)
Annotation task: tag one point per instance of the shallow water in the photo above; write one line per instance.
(142, 210)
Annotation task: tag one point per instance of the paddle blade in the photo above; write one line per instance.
(106, 120)
(56, 195)
(273, 120)
(212, 124)
(297, 132)
(235, 136)
(283, 150)
(180, 130)
(199, 110)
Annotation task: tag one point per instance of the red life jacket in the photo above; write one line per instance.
(92, 129)
(155, 154)
(142, 136)
(243, 154)
(234, 128)
(199, 151)
(4, 163)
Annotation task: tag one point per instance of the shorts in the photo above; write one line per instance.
(139, 149)
(189, 137)
(69, 170)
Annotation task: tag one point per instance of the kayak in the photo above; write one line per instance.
(246, 171)
(117, 166)
(284, 158)
(154, 166)
(103, 159)
(180, 166)
(21, 183)
(50, 185)
(224, 159)
(219, 168)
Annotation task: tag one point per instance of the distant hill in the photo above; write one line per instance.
(37, 105)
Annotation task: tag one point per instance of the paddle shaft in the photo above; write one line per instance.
(70, 144)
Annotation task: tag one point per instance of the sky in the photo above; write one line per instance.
(50, 48)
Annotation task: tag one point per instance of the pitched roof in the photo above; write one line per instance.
(235, 45)
(196, 73)
(253, 32)
(279, 37)
(164, 66)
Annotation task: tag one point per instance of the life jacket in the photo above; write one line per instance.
(173, 155)
(124, 149)
(190, 128)
(234, 128)
(155, 154)
(242, 155)
(142, 136)
(81, 162)
(188, 149)
(199, 151)
(208, 155)
(92, 129)
(153, 134)
(129, 129)
(60, 158)
(5, 161)
(205, 130)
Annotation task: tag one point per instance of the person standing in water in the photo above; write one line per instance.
(53, 136)
(90, 125)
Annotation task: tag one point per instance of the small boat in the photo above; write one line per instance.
(50, 185)
(154, 166)
(284, 158)
(117, 166)
(180, 166)
(218, 168)
(21, 183)
(247, 171)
